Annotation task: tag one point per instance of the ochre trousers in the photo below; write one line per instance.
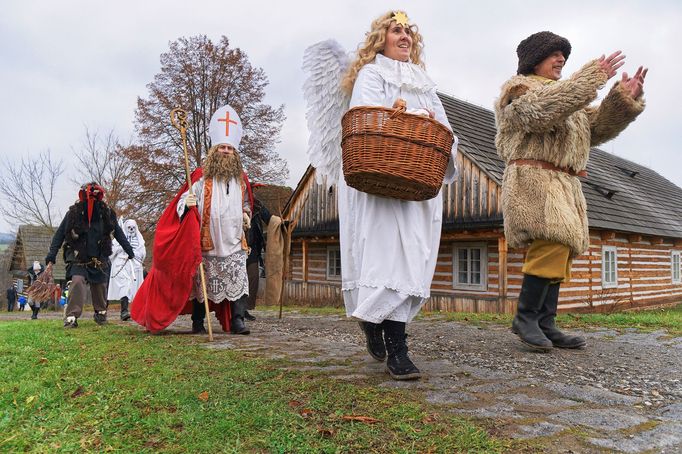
(548, 260)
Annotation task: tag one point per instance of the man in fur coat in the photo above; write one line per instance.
(545, 128)
(86, 233)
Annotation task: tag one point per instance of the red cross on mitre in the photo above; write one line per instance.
(227, 122)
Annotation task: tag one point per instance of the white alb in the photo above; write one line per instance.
(389, 247)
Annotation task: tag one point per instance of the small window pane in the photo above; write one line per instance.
(462, 277)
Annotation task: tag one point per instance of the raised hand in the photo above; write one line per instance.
(611, 63)
(634, 85)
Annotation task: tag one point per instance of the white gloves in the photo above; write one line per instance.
(191, 200)
(247, 222)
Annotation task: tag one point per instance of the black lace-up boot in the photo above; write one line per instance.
(374, 340)
(533, 293)
(548, 326)
(398, 364)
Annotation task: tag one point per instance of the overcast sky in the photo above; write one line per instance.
(73, 63)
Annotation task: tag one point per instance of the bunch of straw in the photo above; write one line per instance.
(43, 288)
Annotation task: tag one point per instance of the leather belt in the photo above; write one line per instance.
(548, 166)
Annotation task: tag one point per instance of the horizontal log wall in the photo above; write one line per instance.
(644, 275)
(473, 197)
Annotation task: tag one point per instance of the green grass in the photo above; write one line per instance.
(307, 310)
(115, 388)
(668, 319)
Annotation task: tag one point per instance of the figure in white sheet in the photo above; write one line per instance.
(126, 274)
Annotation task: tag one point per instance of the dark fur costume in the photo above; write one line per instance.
(77, 228)
(87, 246)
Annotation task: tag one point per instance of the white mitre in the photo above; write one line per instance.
(226, 127)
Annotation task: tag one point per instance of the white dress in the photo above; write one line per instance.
(225, 264)
(126, 275)
(389, 247)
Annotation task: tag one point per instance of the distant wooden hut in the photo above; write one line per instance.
(33, 243)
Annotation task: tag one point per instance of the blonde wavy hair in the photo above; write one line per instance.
(374, 43)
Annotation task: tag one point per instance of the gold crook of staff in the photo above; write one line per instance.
(179, 121)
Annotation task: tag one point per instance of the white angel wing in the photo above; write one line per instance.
(325, 64)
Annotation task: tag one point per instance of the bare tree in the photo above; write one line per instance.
(200, 76)
(27, 191)
(101, 159)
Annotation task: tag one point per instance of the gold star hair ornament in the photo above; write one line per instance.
(401, 18)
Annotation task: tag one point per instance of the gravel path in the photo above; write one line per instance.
(623, 393)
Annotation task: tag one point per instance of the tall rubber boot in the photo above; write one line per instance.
(548, 326)
(125, 314)
(531, 299)
(198, 316)
(237, 309)
(398, 364)
(374, 337)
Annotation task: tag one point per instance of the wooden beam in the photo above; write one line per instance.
(502, 267)
(305, 261)
(607, 234)
(635, 238)
(472, 234)
(316, 240)
(656, 240)
(678, 242)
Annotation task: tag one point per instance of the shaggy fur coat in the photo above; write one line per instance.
(552, 121)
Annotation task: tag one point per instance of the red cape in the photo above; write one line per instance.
(176, 256)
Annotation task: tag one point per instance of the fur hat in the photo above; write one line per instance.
(537, 47)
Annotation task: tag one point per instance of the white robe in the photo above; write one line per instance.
(389, 247)
(225, 264)
(126, 275)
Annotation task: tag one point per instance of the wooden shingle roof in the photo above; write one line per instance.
(273, 197)
(32, 243)
(621, 195)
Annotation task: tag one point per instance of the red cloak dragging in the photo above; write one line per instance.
(165, 291)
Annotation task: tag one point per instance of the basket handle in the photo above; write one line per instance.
(400, 106)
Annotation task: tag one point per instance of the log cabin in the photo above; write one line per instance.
(635, 218)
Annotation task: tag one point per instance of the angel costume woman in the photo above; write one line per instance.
(389, 247)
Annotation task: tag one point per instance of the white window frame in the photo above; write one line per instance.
(676, 267)
(483, 286)
(331, 273)
(605, 282)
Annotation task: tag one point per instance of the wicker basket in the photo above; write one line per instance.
(394, 154)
